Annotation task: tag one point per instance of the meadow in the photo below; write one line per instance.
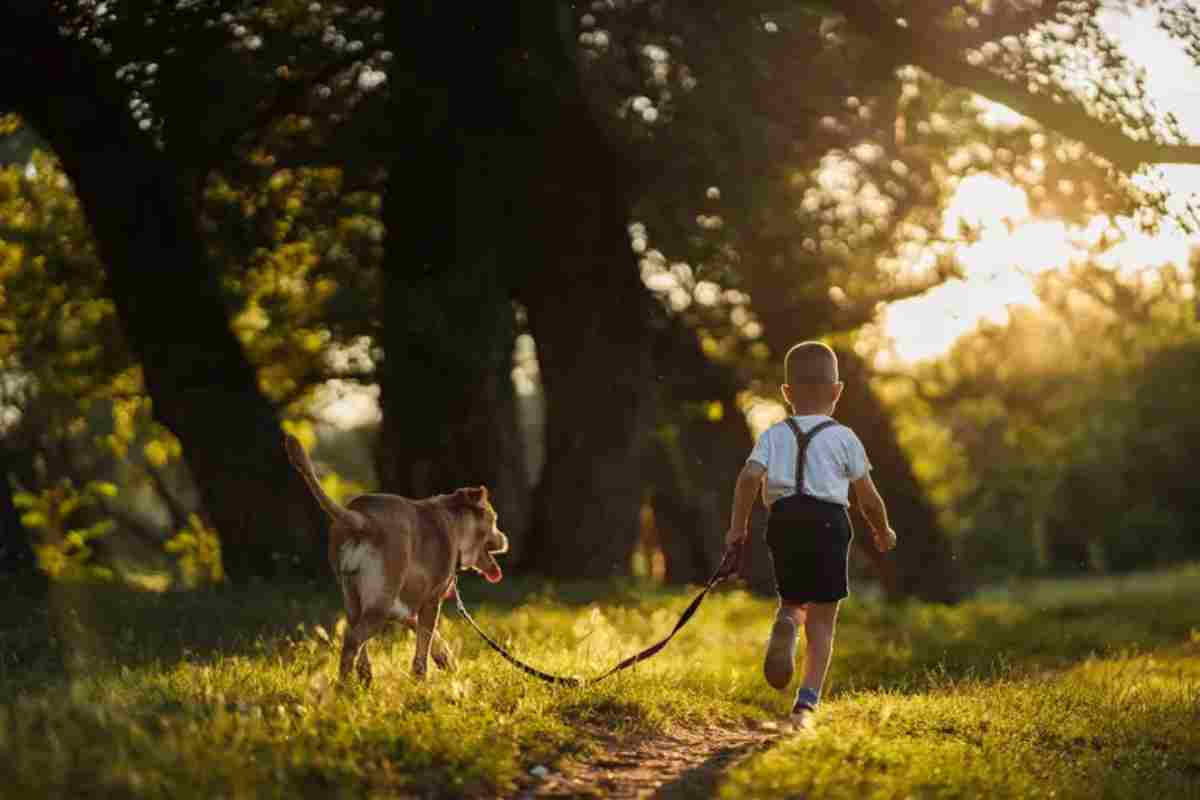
(1064, 689)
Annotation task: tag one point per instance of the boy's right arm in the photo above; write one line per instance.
(876, 513)
(748, 481)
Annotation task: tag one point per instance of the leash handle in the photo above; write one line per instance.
(733, 561)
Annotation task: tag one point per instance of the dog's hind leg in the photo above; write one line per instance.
(353, 606)
(363, 667)
(364, 584)
(369, 623)
(427, 620)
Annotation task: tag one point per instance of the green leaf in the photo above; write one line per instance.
(33, 519)
(103, 488)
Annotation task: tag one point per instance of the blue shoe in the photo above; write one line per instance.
(804, 710)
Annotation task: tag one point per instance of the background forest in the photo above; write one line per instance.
(559, 248)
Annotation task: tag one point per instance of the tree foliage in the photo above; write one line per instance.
(1067, 426)
(381, 194)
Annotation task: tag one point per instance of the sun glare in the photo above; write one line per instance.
(1010, 247)
(985, 202)
(1000, 265)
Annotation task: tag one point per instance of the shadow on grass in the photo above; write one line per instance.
(48, 635)
(914, 647)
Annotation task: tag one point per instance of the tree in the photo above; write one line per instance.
(16, 555)
(449, 405)
(882, 149)
(167, 296)
(1072, 456)
(812, 196)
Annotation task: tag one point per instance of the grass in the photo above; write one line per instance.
(1111, 727)
(1060, 688)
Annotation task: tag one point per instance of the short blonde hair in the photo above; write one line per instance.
(810, 362)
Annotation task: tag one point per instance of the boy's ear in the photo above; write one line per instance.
(837, 390)
(786, 391)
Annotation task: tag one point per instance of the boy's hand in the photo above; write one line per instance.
(735, 536)
(885, 539)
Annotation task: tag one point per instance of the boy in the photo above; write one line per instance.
(808, 462)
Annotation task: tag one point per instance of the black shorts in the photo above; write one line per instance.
(809, 541)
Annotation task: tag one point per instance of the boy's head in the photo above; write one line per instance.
(810, 379)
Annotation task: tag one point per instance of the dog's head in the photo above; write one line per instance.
(481, 540)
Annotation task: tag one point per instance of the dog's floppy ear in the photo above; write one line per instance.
(472, 495)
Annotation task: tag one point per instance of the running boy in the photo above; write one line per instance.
(806, 465)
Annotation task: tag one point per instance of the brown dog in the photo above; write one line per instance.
(395, 559)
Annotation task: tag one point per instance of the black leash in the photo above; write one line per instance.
(730, 565)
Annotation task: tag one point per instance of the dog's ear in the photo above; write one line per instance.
(472, 496)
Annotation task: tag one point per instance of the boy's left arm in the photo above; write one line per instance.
(875, 511)
(748, 481)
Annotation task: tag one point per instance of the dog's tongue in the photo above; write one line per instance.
(493, 575)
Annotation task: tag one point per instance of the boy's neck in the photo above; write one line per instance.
(811, 411)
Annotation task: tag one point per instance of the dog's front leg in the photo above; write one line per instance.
(441, 652)
(427, 620)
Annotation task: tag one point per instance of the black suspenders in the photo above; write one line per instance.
(802, 440)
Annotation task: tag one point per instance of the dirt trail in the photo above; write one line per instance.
(685, 763)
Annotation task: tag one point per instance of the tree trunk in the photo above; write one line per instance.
(587, 308)
(16, 551)
(597, 417)
(446, 390)
(591, 317)
(448, 401)
(169, 302)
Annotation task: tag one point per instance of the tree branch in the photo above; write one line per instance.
(993, 27)
(1069, 119)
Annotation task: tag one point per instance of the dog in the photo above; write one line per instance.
(395, 559)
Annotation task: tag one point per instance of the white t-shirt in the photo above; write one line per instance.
(835, 457)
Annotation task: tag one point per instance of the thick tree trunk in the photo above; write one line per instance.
(169, 302)
(595, 365)
(449, 405)
(592, 320)
(588, 310)
(448, 401)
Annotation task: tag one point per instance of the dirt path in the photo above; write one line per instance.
(685, 763)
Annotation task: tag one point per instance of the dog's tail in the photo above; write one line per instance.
(303, 464)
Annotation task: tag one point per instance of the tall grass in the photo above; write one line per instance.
(110, 692)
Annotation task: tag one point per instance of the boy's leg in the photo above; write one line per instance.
(819, 624)
(780, 662)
